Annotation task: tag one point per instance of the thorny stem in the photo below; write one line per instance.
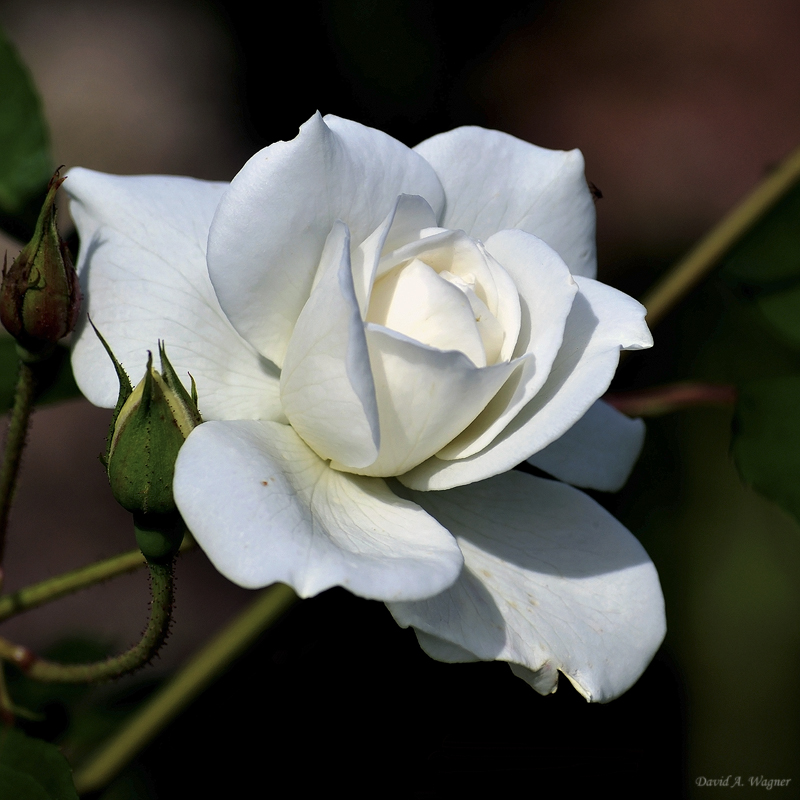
(690, 270)
(15, 444)
(81, 578)
(161, 577)
(187, 684)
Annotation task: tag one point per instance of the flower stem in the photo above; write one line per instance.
(15, 444)
(690, 270)
(161, 577)
(187, 684)
(81, 578)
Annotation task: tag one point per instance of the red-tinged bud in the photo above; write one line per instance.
(40, 297)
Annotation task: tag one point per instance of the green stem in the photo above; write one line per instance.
(81, 578)
(51, 589)
(15, 444)
(685, 275)
(169, 701)
(161, 576)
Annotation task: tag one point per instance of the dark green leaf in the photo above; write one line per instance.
(31, 769)
(25, 163)
(20, 786)
(782, 309)
(766, 443)
(55, 379)
(768, 256)
(765, 266)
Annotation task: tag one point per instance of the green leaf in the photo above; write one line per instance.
(766, 443)
(31, 769)
(54, 378)
(768, 256)
(25, 163)
(782, 310)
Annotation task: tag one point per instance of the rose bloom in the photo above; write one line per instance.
(378, 336)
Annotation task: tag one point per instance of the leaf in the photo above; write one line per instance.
(765, 266)
(54, 378)
(782, 310)
(768, 255)
(766, 443)
(25, 163)
(31, 769)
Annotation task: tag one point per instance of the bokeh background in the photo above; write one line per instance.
(680, 108)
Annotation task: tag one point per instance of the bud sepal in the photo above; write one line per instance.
(150, 424)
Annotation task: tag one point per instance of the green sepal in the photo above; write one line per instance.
(186, 400)
(125, 391)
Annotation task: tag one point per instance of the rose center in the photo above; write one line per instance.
(441, 309)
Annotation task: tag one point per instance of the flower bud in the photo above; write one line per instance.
(150, 427)
(40, 297)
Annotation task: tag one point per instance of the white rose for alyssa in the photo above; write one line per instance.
(378, 336)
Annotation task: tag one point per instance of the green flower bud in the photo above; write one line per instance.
(40, 297)
(150, 426)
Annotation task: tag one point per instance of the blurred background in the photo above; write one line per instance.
(679, 108)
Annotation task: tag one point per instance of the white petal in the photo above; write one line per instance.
(416, 302)
(267, 236)
(409, 217)
(465, 262)
(425, 397)
(443, 651)
(551, 581)
(266, 508)
(143, 270)
(546, 293)
(494, 181)
(602, 322)
(326, 383)
(597, 452)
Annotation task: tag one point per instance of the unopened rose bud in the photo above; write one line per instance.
(149, 430)
(40, 297)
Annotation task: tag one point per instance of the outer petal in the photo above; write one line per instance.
(326, 383)
(602, 322)
(267, 236)
(143, 270)
(551, 582)
(494, 181)
(597, 452)
(266, 508)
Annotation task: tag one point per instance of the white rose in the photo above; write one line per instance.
(353, 310)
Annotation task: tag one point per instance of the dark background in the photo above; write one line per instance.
(679, 108)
